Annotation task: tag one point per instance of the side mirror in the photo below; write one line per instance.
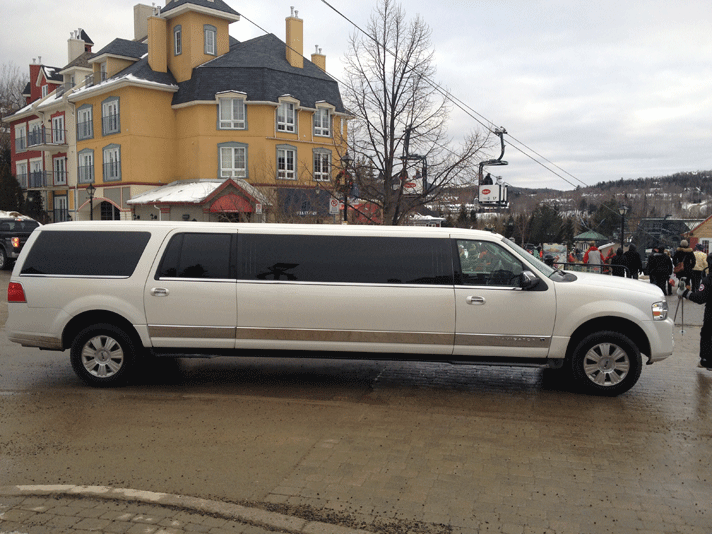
(529, 281)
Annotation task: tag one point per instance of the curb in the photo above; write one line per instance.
(228, 511)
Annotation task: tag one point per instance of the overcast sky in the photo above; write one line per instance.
(604, 89)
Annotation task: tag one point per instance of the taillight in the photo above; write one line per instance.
(15, 242)
(15, 293)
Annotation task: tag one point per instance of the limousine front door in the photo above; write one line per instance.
(190, 298)
(495, 317)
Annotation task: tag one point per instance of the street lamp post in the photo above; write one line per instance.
(345, 162)
(623, 210)
(90, 191)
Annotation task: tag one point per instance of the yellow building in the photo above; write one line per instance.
(190, 104)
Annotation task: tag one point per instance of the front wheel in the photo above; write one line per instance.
(4, 261)
(102, 355)
(606, 363)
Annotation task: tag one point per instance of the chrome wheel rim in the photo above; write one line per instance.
(606, 364)
(102, 356)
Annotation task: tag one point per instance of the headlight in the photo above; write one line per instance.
(660, 311)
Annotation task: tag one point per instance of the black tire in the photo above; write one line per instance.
(4, 261)
(103, 355)
(606, 363)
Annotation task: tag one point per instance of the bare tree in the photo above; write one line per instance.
(390, 91)
(12, 83)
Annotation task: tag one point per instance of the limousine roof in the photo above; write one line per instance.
(269, 228)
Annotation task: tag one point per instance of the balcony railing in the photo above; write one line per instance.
(85, 130)
(38, 180)
(20, 143)
(60, 214)
(85, 174)
(22, 180)
(91, 80)
(112, 171)
(110, 124)
(42, 179)
(46, 136)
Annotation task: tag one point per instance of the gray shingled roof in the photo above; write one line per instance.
(125, 48)
(81, 61)
(143, 71)
(217, 5)
(260, 69)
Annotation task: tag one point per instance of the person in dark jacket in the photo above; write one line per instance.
(631, 259)
(685, 256)
(617, 260)
(659, 268)
(702, 296)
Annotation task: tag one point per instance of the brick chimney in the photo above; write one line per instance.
(295, 40)
(319, 59)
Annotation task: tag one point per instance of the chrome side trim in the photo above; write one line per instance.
(494, 340)
(345, 336)
(201, 332)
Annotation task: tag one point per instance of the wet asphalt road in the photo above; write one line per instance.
(460, 449)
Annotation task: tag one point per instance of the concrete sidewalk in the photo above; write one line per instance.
(91, 509)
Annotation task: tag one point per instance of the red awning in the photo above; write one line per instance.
(231, 203)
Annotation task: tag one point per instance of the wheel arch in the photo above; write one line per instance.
(88, 318)
(620, 325)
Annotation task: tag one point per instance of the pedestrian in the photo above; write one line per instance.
(631, 259)
(671, 282)
(683, 261)
(617, 263)
(593, 257)
(702, 296)
(659, 268)
(699, 268)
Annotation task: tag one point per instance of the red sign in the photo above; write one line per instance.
(486, 191)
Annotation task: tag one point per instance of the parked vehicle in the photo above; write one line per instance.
(14, 231)
(115, 292)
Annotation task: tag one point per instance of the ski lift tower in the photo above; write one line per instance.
(491, 193)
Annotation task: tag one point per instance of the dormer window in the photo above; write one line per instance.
(177, 40)
(285, 117)
(322, 122)
(210, 33)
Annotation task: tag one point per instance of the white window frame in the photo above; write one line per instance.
(21, 173)
(232, 113)
(59, 168)
(85, 160)
(286, 162)
(233, 160)
(210, 35)
(287, 117)
(45, 90)
(85, 124)
(322, 165)
(110, 118)
(178, 40)
(322, 122)
(58, 134)
(111, 156)
(34, 131)
(36, 166)
(21, 134)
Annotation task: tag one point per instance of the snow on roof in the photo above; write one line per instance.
(182, 191)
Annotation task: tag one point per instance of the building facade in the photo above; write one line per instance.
(187, 103)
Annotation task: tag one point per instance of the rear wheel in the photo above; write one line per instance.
(4, 261)
(103, 355)
(606, 363)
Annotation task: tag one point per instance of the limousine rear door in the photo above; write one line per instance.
(495, 316)
(190, 298)
(345, 293)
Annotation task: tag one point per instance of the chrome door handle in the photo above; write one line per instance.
(475, 301)
(159, 292)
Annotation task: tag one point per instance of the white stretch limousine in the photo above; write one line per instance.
(113, 292)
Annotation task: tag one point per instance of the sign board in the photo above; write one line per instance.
(334, 205)
(413, 186)
(493, 194)
(258, 208)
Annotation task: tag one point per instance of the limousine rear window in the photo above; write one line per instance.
(84, 253)
(348, 259)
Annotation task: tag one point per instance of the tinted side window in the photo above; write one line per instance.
(353, 259)
(198, 255)
(86, 253)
